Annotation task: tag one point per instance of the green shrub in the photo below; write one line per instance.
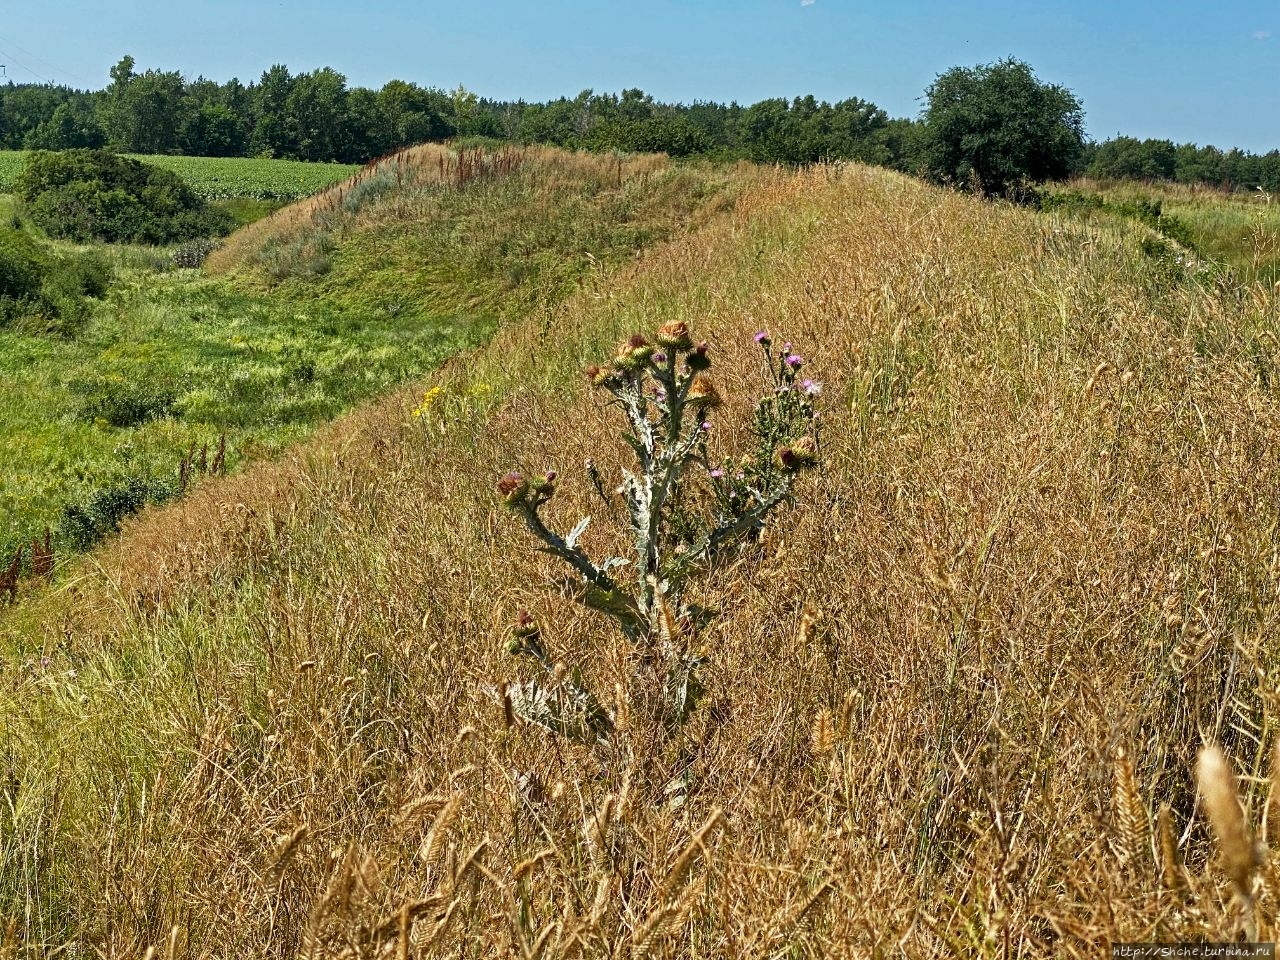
(86, 195)
(125, 403)
(22, 266)
(46, 290)
(100, 514)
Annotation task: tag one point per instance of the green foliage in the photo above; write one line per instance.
(45, 291)
(180, 358)
(265, 183)
(125, 402)
(995, 126)
(86, 195)
(84, 524)
(1231, 231)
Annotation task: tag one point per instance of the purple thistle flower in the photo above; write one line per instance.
(659, 357)
(762, 337)
(706, 426)
(811, 387)
(794, 361)
(717, 473)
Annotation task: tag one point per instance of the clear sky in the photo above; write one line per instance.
(1204, 71)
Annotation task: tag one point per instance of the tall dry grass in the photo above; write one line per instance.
(958, 691)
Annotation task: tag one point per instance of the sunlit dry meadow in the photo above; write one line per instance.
(956, 691)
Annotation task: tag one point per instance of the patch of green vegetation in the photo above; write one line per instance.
(44, 291)
(1238, 231)
(224, 178)
(172, 360)
(246, 210)
(87, 195)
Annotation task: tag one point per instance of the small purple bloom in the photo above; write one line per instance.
(717, 473)
(794, 361)
(762, 337)
(660, 395)
(811, 387)
(659, 357)
(706, 426)
(786, 347)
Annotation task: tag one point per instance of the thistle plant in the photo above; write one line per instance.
(686, 511)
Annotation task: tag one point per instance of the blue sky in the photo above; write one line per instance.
(1198, 71)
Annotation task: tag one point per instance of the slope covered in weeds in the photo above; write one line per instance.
(318, 308)
(955, 693)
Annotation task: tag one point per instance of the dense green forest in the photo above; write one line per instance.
(317, 116)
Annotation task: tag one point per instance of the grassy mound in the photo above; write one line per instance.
(948, 694)
(177, 360)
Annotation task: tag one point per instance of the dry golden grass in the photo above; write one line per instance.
(958, 690)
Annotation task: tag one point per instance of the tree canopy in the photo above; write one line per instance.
(996, 126)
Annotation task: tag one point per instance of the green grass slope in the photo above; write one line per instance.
(374, 294)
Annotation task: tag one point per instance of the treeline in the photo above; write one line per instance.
(316, 116)
(1127, 158)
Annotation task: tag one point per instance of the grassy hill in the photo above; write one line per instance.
(367, 285)
(954, 695)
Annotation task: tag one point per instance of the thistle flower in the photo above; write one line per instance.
(698, 360)
(525, 625)
(512, 488)
(674, 335)
(716, 474)
(634, 354)
(798, 455)
(658, 358)
(762, 338)
(703, 392)
(545, 485)
(794, 361)
(526, 637)
(811, 388)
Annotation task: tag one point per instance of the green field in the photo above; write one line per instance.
(226, 178)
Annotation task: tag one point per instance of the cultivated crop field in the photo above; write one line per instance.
(226, 178)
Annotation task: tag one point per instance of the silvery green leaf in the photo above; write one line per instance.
(571, 541)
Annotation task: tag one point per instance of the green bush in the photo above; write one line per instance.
(100, 514)
(22, 266)
(125, 403)
(86, 195)
(44, 289)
